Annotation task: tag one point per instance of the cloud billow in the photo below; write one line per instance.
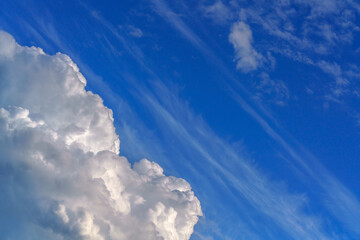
(61, 173)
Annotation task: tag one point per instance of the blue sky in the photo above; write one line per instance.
(254, 103)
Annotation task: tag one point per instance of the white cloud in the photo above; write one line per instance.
(219, 12)
(248, 59)
(62, 177)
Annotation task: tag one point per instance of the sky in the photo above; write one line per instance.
(236, 119)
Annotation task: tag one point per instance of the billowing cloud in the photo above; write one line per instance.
(60, 170)
(247, 58)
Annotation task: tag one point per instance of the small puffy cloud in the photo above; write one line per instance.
(218, 12)
(60, 170)
(247, 58)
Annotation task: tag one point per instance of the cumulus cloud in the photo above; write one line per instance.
(247, 58)
(60, 170)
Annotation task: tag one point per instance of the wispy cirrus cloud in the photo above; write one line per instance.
(339, 200)
(186, 137)
(162, 8)
(232, 169)
(296, 152)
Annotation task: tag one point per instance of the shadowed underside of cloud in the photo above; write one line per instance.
(61, 175)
